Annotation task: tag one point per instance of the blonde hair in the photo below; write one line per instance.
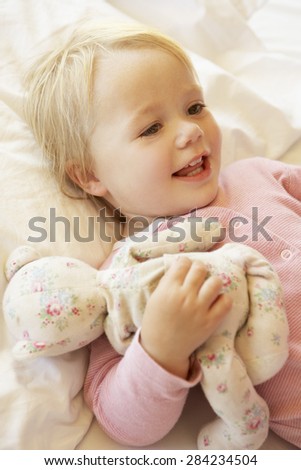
(59, 90)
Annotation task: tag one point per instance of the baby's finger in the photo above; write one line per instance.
(196, 276)
(210, 290)
(177, 270)
(219, 309)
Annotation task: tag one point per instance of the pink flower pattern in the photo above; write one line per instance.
(254, 418)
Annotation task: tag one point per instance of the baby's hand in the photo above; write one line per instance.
(181, 314)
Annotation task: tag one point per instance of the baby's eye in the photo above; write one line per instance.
(151, 130)
(196, 108)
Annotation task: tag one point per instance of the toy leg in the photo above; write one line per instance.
(243, 414)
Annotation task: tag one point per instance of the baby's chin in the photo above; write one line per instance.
(187, 209)
(183, 208)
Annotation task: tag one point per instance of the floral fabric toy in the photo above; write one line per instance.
(53, 305)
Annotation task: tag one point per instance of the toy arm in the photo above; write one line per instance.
(262, 342)
(184, 234)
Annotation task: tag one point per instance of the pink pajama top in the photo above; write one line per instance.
(133, 398)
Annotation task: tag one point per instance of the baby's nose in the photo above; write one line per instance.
(188, 133)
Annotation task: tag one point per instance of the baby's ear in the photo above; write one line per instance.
(86, 180)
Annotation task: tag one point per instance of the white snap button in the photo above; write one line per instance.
(286, 254)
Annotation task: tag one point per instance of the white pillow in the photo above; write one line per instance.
(247, 7)
(207, 27)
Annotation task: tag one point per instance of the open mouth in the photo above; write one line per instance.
(193, 168)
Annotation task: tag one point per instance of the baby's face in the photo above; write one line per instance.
(156, 148)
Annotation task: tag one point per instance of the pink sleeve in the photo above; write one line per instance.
(295, 186)
(289, 176)
(133, 398)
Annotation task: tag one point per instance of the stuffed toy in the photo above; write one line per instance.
(53, 305)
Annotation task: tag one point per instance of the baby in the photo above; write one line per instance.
(120, 113)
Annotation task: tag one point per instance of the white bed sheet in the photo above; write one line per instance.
(248, 56)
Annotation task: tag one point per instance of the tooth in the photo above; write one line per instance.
(195, 172)
(198, 160)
